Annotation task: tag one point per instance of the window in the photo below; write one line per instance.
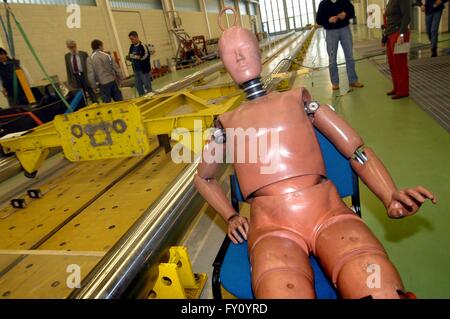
(229, 3)
(212, 5)
(317, 4)
(273, 15)
(310, 11)
(242, 8)
(300, 13)
(252, 9)
(135, 4)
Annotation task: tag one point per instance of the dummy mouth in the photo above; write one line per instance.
(242, 64)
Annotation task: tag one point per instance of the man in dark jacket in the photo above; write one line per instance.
(8, 67)
(139, 55)
(334, 16)
(76, 69)
(433, 12)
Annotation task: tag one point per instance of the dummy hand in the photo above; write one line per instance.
(437, 3)
(407, 202)
(5, 93)
(342, 15)
(400, 40)
(422, 8)
(333, 19)
(238, 229)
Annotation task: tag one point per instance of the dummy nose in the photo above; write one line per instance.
(239, 55)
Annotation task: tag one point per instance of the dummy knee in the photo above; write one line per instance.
(368, 273)
(355, 260)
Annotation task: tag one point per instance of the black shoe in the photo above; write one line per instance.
(433, 53)
(390, 93)
(396, 97)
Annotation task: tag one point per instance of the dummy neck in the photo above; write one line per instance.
(253, 88)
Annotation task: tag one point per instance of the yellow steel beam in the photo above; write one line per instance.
(116, 129)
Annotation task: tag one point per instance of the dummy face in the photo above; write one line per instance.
(240, 54)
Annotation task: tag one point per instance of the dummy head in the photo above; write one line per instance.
(240, 54)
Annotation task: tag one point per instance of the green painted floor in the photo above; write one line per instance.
(414, 148)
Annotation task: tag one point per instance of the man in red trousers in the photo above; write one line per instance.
(396, 21)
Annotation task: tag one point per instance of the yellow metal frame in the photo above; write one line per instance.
(138, 120)
(176, 280)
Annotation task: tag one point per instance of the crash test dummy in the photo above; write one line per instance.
(295, 210)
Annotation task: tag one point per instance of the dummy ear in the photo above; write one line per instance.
(222, 14)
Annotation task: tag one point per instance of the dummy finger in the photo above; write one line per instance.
(242, 231)
(236, 235)
(245, 223)
(403, 198)
(230, 235)
(427, 193)
(416, 195)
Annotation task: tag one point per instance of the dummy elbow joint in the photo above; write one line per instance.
(360, 155)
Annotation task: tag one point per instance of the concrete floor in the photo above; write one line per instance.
(414, 148)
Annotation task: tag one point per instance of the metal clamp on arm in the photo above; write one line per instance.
(360, 155)
(219, 135)
(311, 107)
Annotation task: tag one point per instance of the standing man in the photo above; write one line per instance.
(102, 69)
(140, 58)
(397, 18)
(76, 67)
(334, 16)
(433, 12)
(8, 67)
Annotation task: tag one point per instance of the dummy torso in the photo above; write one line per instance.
(292, 147)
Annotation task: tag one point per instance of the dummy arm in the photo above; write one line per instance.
(207, 185)
(399, 203)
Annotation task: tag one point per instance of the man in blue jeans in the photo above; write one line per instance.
(334, 16)
(139, 54)
(433, 12)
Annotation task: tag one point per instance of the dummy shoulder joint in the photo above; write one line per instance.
(218, 134)
(311, 107)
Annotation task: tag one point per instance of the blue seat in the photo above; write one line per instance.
(232, 266)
